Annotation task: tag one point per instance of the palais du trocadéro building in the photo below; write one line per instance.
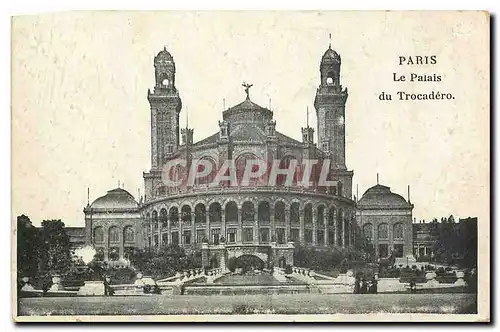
(256, 219)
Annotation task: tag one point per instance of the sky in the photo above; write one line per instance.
(80, 115)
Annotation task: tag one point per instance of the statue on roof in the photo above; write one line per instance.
(247, 88)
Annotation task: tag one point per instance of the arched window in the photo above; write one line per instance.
(200, 213)
(114, 234)
(174, 216)
(282, 179)
(155, 220)
(368, 231)
(398, 231)
(279, 212)
(294, 213)
(264, 213)
(163, 218)
(98, 235)
(383, 231)
(214, 212)
(207, 179)
(231, 212)
(128, 234)
(321, 215)
(340, 225)
(186, 214)
(331, 216)
(308, 214)
(248, 212)
(241, 164)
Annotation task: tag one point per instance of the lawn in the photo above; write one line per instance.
(250, 304)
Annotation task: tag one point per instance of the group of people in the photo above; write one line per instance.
(363, 286)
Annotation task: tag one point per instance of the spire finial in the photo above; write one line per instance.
(409, 201)
(164, 47)
(223, 104)
(307, 117)
(247, 89)
(187, 118)
(118, 183)
(330, 41)
(88, 195)
(377, 178)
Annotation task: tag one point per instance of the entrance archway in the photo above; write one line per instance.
(249, 262)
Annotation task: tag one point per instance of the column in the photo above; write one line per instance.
(160, 242)
(207, 224)
(181, 230)
(301, 230)
(315, 219)
(169, 228)
(425, 250)
(121, 248)
(287, 224)
(193, 228)
(223, 225)
(106, 243)
(151, 233)
(335, 229)
(239, 231)
(272, 222)
(326, 237)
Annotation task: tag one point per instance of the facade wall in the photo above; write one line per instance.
(390, 218)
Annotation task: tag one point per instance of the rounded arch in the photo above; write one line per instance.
(173, 215)
(98, 234)
(383, 231)
(295, 213)
(368, 231)
(128, 234)
(200, 168)
(251, 261)
(215, 212)
(240, 165)
(331, 216)
(308, 213)
(200, 213)
(280, 212)
(321, 214)
(113, 234)
(248, 211)
(186, 213)
(163, 217)
(231, 210)
(285, 163)
(398, 231)
(264, 212)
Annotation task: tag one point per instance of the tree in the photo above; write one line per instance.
(54, 248)
(27, 253)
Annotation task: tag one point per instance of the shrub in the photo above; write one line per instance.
(414, 267)
(288, 269)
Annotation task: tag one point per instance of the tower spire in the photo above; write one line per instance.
(307, 116)
(88, 196)
(187, 117)
(330, 40)
(377, 178)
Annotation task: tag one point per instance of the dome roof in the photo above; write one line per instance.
(116, 199)
(247, 112)
(164, 56)
(381, 196)
(330, 56)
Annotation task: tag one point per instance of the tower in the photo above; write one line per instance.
(330, 110)
(165, 105)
